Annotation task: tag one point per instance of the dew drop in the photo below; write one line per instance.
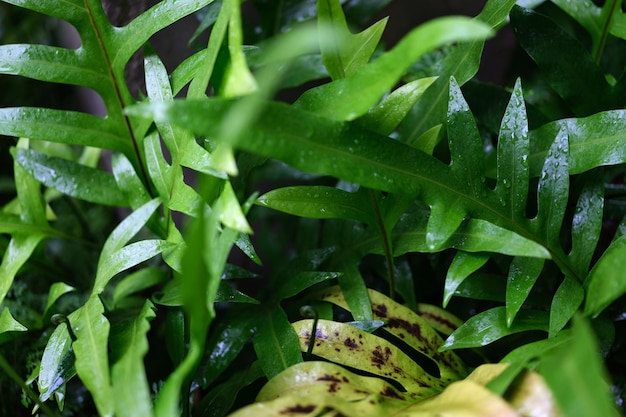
(525, 160)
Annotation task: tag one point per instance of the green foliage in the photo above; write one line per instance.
(233, 259)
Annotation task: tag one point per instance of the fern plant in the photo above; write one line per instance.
(79, 344)
(386, 167)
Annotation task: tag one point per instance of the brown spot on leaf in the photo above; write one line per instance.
(379, 358)
(390, 393)
(423, 384)
(299, 409)
(380, 310)
(411, 328)
(350, 343)
(327, 377)
(333, 379)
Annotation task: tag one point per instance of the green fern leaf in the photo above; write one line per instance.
(97, 64)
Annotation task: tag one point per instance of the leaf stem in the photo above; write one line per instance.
(599, 47)
(386, 244)
(118, 95)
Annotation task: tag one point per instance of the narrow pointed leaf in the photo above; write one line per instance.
(129, 182)
(568, 298)
(22, 245)
(351, 51)
(301, 282)
(587, 225)
(168, 180)
(138, 281)
(127, 257)
(171, 295)
(159, 90)
(466, 148)
(463, 265)
(9, 326)
(129, 345)
(536, 350)
(276, 343)
(230, 211)
(56, 291)
(346, 99)
(489, 326)
(579, 390)
(553, 190)
(607, 280)
(91, 348)
(593, 141)
(355, 291)
(445, 219)
(196, 291)
(239, 80)
(57, 363)
(71, 178)
(244, 243)
(513, 153)
(389, 113)
(17, 253)
(523, 273)
(231, 333)
(58, 126)
(128, 228)
(12, 224)
(320, 202)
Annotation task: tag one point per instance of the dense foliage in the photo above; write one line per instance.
(399, 239)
